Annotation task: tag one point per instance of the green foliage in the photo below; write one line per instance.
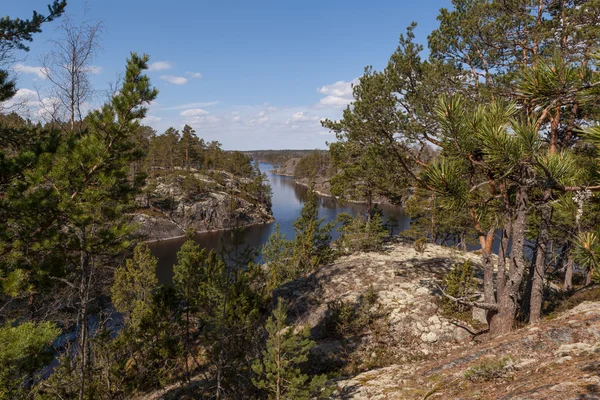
(134, 285)
(361, 233)
(491, 369)
(24, 349)
(277, 255)
(317, 163)
(421, 244)
(460, 283)
(193, 186)
(15, 33)
(587, 251)
(347, 320)
(279, 369)
(312, 243)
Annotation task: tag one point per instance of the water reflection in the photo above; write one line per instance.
(288, 198)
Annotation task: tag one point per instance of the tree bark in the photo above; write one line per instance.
(568, 285)
(508, 298)
(538, 272)
(83, 328)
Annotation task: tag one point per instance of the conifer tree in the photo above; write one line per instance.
(278, 370)
(24, 349)
(277, 255)
(15, 33)
(312, 242)
(134, 285)
(189, 274)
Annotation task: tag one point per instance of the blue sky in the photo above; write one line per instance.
(250, 74)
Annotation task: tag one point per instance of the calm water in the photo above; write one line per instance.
(288, 199)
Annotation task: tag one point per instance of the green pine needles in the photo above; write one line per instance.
(279, 370)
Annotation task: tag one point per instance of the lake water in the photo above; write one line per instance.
(288, 198)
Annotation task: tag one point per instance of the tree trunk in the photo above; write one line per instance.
(83, 328)
(508, 298)
(537, 283)
(588, 276)
(568, 285)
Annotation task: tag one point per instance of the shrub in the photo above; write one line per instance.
(346, 319)
(459, 282)
(421, 245)
(491, 368)
(192, 186)
(360, 233)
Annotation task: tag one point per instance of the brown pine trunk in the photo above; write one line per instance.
(568, 285)
(588, 277)
(83, 310)
(508, 298)
(537, 283)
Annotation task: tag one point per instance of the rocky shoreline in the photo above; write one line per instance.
(169, 210)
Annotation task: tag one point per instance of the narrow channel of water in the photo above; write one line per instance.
(288, 198)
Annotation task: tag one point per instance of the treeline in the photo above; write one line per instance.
(276, 157)
(508, 98)
(315, 164)
(185, 151)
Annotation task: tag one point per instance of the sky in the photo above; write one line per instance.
(250, 74)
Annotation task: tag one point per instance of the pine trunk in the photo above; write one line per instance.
(568, 285)
(537, 283)
(504, 321)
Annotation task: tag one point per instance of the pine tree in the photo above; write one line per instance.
(24, 349)
(278, 371)
(277, 255)
(313, 238)
(189, 276)
(189, 147)
(134, 284)
(92, 192)
(14, 33)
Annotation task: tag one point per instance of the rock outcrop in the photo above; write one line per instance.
(320, 183)
(557, 359)
(415, 352)
(169, 209)
(407, 325)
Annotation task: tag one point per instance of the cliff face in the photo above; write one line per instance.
(288, 168)
(169, 208)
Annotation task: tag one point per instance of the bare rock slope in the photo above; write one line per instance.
(414, 352)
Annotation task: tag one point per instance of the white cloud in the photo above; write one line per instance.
(175, 80)
(194, 74)
(48, 107)
(339, 89)
(302, 116)
(334, 101)
(337, 95)
(191, 105)
(260, 120)
(151, 118)
(159, 66)
(236, 119)
(25, 94)
(194, 112)
(27, 69)
(94, 69)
